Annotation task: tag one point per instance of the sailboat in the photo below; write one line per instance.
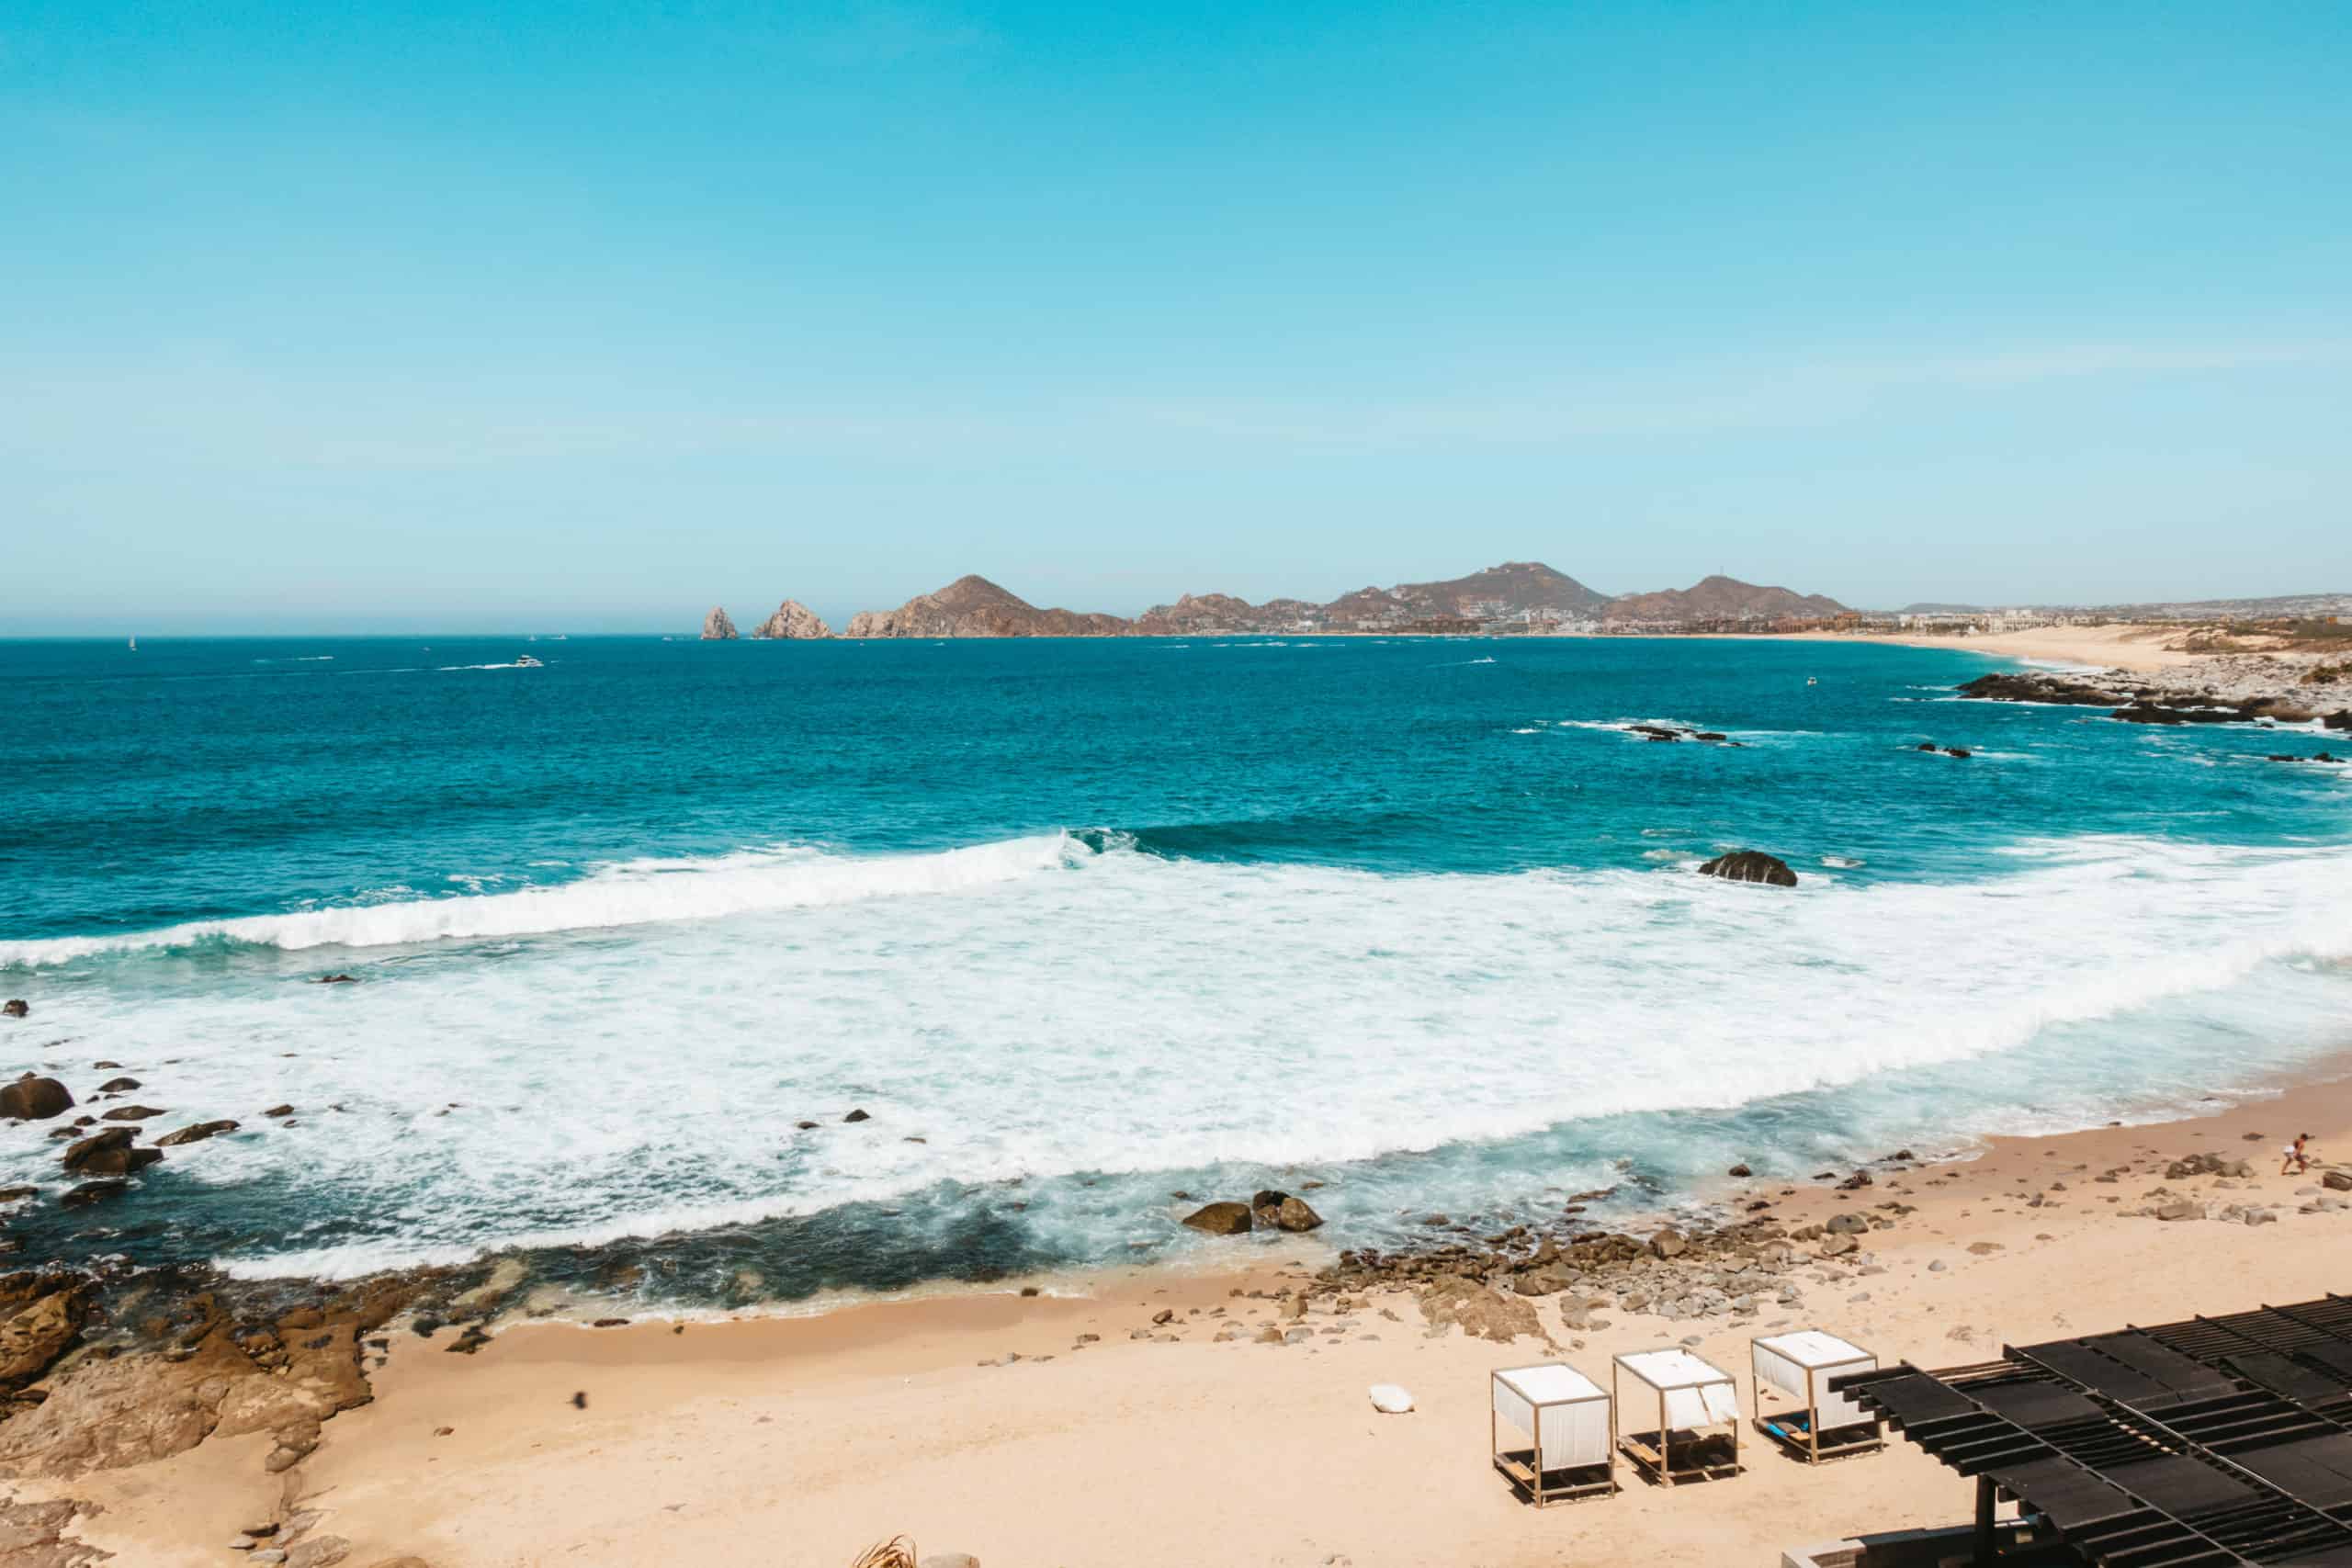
(134, 645)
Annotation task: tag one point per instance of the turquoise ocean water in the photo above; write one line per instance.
(1083, 924)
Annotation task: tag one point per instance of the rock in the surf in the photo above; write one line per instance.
(35, 1100)
(15, 1007)
(2008, 687)
(117, 1085)
(194, 1135)
(108, 1154)
(1294, 1214)
(278, 1111)
(857, 1116)
(130, 1113)
(716, 628)
(1751, 865)
(1221, 1219)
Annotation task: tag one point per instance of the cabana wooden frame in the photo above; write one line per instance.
(1865, 1435)
(1657, 1461)
(1577, 1482)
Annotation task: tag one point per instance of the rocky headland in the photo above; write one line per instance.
(2259, 688)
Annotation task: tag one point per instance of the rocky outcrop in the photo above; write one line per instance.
(33, 1535)
(40, 1317)
(1281, 1211)
(2012, 686)
(15, 1007)
(1221, 1219)
(108, 1154)
(33, 1099)
(194, 1135)
(973, 606)
(1479, 1311)
(793, 622)
(222, 1379)
(716, 628)
(1750, 866)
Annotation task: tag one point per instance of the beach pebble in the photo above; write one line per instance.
(1390, 1400)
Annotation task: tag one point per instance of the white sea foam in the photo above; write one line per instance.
(637, 892)
(1036, 1010)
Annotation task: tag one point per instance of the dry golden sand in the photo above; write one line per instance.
(2135, 647)
(797, 1441)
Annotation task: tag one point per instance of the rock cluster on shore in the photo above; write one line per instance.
(2233, 691)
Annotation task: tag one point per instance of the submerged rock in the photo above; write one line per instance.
(1750, 866)
(35, 1098)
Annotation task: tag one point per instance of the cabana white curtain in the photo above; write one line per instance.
(1783, 1360)
(1698, 1393)
(1574, 1434)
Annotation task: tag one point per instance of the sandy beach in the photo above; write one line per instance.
(1116, 1436)
(2145, 649)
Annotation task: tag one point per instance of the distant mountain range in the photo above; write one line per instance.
(1520, 592)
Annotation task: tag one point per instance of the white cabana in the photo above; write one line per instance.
(1799, 1366)
(1568, 1422)
(1693, 1396)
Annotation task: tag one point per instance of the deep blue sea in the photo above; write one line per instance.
(1083, 924)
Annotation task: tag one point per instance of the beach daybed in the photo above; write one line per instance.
(1571, 1427)
(1822, 1424)
(1695, 1399)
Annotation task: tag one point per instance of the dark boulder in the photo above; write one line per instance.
(2012, 687)
(1957, 751)
(194, 1135)
(1928, 745)
(1751, 865)
(109, 1154)
(2341, 720)
(1740, 1171)
(15, 1007)
(1221, 1219)
(1855, 1182)
(117, 1085)
(1294, 1214)
(279, 1110)
(335, 980)
(857, 1116)
(130, 1113)
(2164, 712)
(35, 1100)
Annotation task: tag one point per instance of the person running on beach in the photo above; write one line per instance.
(2296, 1155)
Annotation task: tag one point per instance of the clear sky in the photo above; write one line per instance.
(586, 316)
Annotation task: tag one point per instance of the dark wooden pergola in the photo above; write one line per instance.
(2214, 1442)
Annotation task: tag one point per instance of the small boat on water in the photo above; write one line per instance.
(134, 645)
(525, 662)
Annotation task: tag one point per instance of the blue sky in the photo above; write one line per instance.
(591, 316)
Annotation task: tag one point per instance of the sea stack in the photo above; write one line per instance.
(793, 621)
(716, 628)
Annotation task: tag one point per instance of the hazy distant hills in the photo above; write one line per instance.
(1720, 598)
(1522, 593)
